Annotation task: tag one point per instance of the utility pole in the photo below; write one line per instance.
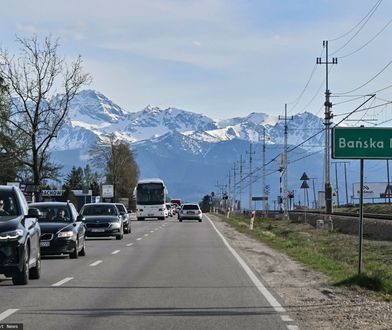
(263, 192)
(234, 187)
(314, 193)
(241, 177)
(229, 190)
(388, 180)
(337, 183)
(250, 175)
(327, 122)
(285, 161)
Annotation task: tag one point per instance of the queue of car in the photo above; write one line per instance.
(28, 231)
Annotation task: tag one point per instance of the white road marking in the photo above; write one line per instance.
(115, 252)
(129, 244)
(96, 263)
(151, 231)
(263, 290)
(140, 238)
(157, 228)
(292, 327)
(7, 313)
(286, 318)
(145, 235)
(67, 279)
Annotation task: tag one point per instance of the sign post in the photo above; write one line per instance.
(361, 143)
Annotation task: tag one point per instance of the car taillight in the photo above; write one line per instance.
(198, 212)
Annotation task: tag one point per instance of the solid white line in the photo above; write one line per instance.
(140, 238)
(115, 252)
(96, 263)
(129, 244)
(67, 279)
(7, 313)
(263, 290)
(286, 318)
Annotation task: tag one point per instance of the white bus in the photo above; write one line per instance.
(150, 199)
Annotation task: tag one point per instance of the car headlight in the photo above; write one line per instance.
(65, 234)
(9, 235)
(115, 225)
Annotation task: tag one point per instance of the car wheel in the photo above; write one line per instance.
(75, 254)
(179, 219)
(35, 272)
(82, 252)
(22, 277)
(200, 220)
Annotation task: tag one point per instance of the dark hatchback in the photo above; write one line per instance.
(102, 220)
(20, 232)
(61, 230)
(125, 217)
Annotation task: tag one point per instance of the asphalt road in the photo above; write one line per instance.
(165, 275)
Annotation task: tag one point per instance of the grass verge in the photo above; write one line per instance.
(331, 253)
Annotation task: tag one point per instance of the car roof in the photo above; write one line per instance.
(49, 204)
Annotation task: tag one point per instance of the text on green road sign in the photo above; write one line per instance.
(362, 142)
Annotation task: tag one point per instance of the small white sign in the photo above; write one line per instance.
(107, 191)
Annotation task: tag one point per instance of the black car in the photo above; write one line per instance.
(125, 217)
(102, 220)
(61, 230)
(20, 232)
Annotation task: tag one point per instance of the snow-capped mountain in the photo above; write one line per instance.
(186, 149)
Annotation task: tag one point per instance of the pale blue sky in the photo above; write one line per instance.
(222, 58)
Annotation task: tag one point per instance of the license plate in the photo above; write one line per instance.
(44, 244)
(98, 230)
(190, 212)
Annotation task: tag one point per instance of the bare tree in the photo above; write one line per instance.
(32, 79)
(118, 162)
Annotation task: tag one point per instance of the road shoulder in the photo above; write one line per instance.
(306, 294)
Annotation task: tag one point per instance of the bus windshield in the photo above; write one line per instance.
(150, 194)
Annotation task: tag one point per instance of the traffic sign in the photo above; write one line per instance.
(304, 185)
(362, 142)
(304, 176)
(259, 198)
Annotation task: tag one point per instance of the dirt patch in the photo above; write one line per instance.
(307, 295)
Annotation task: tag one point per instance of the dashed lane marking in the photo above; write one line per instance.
(140, 238)
(129, 244)
(145, 235)
(286, 318)
(116, 251)
(7, 313)
(96, 263)
(59, 283)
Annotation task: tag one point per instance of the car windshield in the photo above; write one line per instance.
(99, 210)
(8, 206)
(53, 213)
(121, 208)
(150, 194)
(190, 207)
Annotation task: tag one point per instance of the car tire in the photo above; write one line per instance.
(200, 220)
(82, 252)
(22, 277)
(35, 272)
(75, 253)
(179, 219)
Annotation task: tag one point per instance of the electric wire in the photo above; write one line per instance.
(378, 2)
(368, 42)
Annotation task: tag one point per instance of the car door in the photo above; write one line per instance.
(81, 229)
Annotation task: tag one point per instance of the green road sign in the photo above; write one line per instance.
(362, 142)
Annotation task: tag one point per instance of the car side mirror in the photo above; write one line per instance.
(33, 213)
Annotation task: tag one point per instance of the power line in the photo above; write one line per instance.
(369, 41)
(356, 25)
(369, 81)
